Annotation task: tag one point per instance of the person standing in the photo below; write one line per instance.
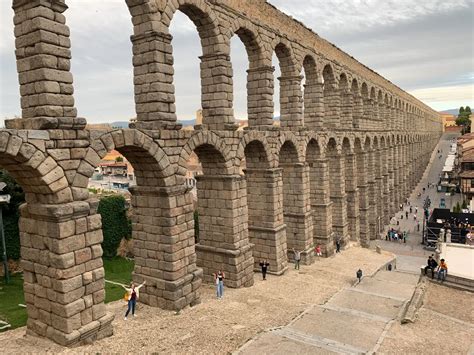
(132, 296)
(442, 270)
(297, 256)
(318, 250)
(219, 279)
(338, 245)
(264, 265)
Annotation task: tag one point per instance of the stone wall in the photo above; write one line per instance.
(336, 169)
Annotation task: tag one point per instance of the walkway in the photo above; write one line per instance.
(411, 255)
(355, 320)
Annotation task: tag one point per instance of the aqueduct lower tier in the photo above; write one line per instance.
(351, 147)
(298, 190)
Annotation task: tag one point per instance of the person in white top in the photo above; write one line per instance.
(132, 296)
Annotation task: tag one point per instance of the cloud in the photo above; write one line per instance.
(417, 44)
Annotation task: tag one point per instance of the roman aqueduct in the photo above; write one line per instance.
(350, 148)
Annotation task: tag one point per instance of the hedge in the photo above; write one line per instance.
(115, 224)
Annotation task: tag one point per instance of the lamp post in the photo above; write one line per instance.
(4, 200)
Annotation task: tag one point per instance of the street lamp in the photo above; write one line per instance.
(4, 200)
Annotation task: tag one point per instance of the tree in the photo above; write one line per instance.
(115, 224)
(11, 215)
(463, 119)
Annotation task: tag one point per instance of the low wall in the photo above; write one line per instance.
(460, 259)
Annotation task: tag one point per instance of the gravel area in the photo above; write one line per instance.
(219, 326)
(432, 333)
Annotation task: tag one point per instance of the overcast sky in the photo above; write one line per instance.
(423, 46)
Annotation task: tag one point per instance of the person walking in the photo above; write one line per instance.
(131, 296)
(338, 245)
(297, 256)
(411, 210)
(219, 279)
(442, 270)
(264, 265)
(406, 215)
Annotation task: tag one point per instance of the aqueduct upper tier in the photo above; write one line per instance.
(350, 148)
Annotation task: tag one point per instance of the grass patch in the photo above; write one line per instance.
(116, 269)
(11, 295)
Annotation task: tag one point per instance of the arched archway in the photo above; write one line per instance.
(331, 98)
(313, 95)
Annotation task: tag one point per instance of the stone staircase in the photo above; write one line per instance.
(354, 320)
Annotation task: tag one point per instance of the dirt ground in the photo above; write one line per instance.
(444, 325)
(218, 326)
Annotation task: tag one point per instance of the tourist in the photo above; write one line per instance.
(416, 209)
(318, 250)
(411, 210)
(418, 226)
(264, 265)
(131, 297)
(297, 256)
(401, 207)
(406, 215)
(219, 279)
(338, 245)
(359, 274)
(431, 264)
(442, 270)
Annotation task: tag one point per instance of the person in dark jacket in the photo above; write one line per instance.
(264, 265)
(431, 265)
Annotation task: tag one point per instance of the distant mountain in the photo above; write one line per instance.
(454, 111)
(119, 124)
(187, 122)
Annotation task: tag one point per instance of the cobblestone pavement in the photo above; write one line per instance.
(219, 326)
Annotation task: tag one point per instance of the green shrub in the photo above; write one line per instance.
(115, 224)
(10, 215)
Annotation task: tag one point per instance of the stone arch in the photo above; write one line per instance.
(39, 175)
(289, 137)
(263, 146)
(331, 97)
(313, 109)
(291, 101)
(216, 154)
(151, 164)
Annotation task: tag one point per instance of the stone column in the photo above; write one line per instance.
(217, 92)
(291, 101)
(379, 190)
(372, 193)
(338, 196)
(267, 231)
(313, 105)
(63, 272)
(321, 205)
(346, 109)
(368, 113)
(43, 63)
(375, 114)
(153, 81)
(358, 112)
(260, 97)
(331, 105)
(363, 187)
(352, 193)
(297, 211)
(386, 200)
(163, 243)
(391, 168)
(223, 229)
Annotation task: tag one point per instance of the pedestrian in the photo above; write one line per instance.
(405, 236)
(131, 296)
(411, 210)
(387, 236)
(418, 226)
(431, 264)
(264, 265)
(359, 274)
(297, 256)
(416, 209)
(318, 250)
(442, 270)
(219, 280)
(414, 217)
(401, 207)
(338, 245)
(398, 222)
(406, 214)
